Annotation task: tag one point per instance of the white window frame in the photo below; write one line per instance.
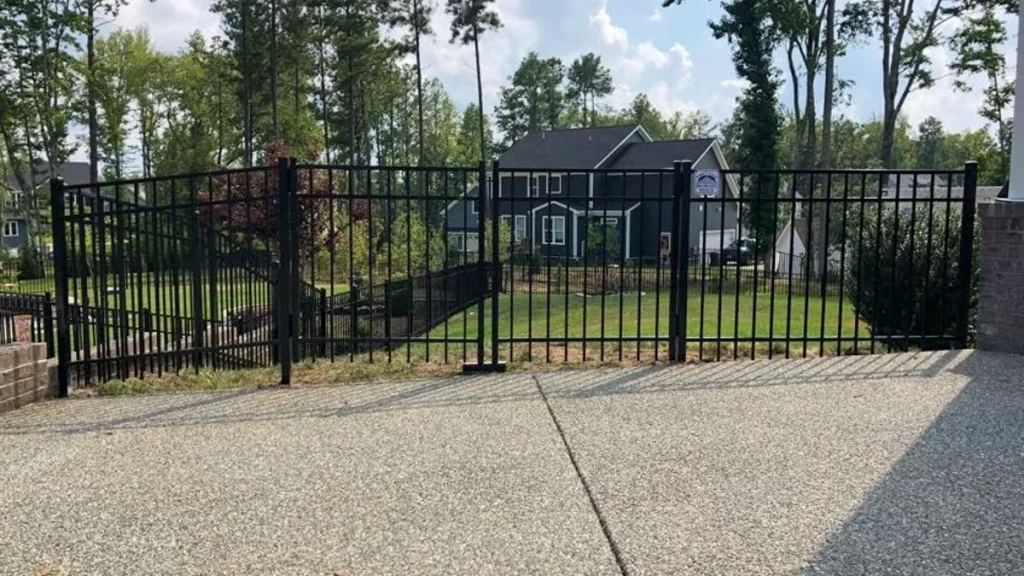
(464, 242)
(472, 207)
(520, 219)
(535, 190)
(555, 178)
(610, 221)
(11, 229)
(14, 199)
(455, 243)
(552, 221)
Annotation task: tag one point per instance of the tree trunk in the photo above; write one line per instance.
(825, 161)
(419, 78)
(247, 88)
(90, 89)
(323, 86)
(220, 118)
(273, 68)
(480, 95)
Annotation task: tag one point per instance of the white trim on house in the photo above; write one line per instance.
(703, 154)
(639, 128)
(629, 226)
(554, 178)
(723, 165)
(11, 229)
(556, 203)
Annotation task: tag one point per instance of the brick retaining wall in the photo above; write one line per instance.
(25, 376)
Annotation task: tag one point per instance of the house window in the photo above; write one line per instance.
(554, 230)
(463, 241)
(455, 243)
(14, 200)
(520, 227)
(538, 184)
(555, 185)
(10, 229)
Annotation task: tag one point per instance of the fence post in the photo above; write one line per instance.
(484, 213)
(60, 273)
(275, 311)
(197, 294)
(294, 289)
(496, 265)
(48, 325)
(323, 322)
(679, 283)
(285, 277)
(966, 267)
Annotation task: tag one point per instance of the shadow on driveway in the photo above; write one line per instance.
(954, 503)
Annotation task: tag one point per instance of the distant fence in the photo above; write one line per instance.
(28, 318)
(596, 280)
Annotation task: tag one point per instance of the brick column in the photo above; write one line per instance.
(1001, 293)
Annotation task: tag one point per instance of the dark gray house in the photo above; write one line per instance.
(556, 186)
(20, 199)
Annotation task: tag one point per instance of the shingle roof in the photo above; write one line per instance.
(74, 173)
(575, 149)
(655, 155)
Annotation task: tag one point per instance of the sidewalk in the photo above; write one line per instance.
(884, 464)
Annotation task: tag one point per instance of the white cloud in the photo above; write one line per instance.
(170, 22)
(656, 17)
(735, 83)
(957, 110)
(611, 34)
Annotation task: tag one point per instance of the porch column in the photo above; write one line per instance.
(1016, 191)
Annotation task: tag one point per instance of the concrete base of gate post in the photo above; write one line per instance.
(1001, 291)
(485, 368)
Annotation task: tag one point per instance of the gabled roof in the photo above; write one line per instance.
(799, 231)
(574, 149)
(73, 173)
(658, 155)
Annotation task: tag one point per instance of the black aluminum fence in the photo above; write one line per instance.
(294, 262)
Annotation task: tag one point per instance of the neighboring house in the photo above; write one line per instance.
(19, 204)
(922, 188)
(791, 247)
(555, 186)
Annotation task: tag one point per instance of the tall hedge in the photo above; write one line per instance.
(903, 273)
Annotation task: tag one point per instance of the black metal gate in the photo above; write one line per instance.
(293, 262)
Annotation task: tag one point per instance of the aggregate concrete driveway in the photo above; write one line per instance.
(898, 464)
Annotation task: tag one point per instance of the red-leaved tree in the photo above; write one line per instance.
(247, 205)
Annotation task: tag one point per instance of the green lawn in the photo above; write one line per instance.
(647, 316)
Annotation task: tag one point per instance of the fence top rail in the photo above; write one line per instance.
(390, 168)
(857, 171)
(611, 171)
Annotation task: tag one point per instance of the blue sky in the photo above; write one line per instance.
(667, 53)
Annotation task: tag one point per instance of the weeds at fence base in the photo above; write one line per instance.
(538, 358)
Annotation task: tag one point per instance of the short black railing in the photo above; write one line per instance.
(489, 265)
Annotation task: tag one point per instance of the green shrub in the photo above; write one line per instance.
(906, 279)
(30, 263)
